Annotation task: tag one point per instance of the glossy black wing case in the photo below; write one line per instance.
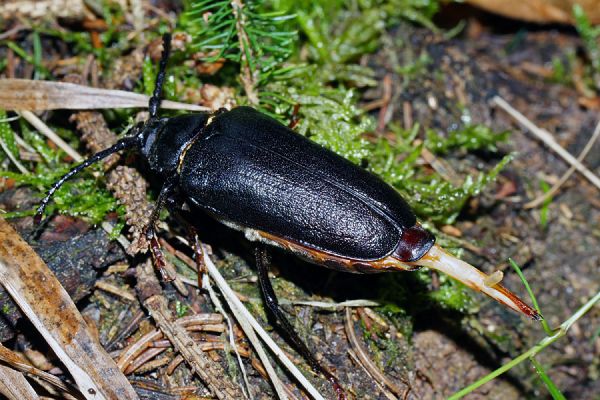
(251, 170)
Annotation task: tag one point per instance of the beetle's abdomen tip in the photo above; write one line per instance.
(414, 243)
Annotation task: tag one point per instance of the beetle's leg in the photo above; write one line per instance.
(262, 263)
(294, 118)
(160, 77)
(159, 261)
(174, 205)
(198, 254)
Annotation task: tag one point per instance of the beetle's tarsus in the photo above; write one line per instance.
(37, 218)
(262, 264)
(337, 388)
(159, 259)
(294, 119)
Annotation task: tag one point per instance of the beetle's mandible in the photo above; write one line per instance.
(257, 175)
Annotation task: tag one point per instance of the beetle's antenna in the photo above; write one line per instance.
(160, 77)
(124, 143)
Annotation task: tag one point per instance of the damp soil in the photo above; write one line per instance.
(559, 255)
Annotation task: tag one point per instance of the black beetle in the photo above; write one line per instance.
(257, 175)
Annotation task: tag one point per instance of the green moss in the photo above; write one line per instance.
(470, 137)
(545, 209)
(563, 67)
(78, 197)
(7, 135)
(328, 116)
(181, 309)
(452, 295)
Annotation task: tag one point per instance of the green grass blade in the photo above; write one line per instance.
(545, 325)
(541, 345)
(552, 388)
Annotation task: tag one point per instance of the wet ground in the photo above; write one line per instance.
(561, 259)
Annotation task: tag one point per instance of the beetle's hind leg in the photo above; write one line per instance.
(262, 264)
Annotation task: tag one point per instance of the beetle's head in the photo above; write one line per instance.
(162, 141)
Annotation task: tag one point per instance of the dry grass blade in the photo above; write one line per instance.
(47, 305)
(364, 358)
(12, 158)
(242, 313)
(115, 290)
(14, 386)
(541, 199)
(49, 133)
(548, 139)
(25, 94)
(16, 362)
(219, 307)
(210, 372)
(332, 306)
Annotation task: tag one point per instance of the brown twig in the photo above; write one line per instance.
(439, 165)
(205, 322)
(174, 364)
(12, 31)
(210, 372)
(385, 113)
(247, 76)
(131, 326)
(15, 361)
(117, 291)
(548, 139)
(143, 359)
(365, 360)
(95, 133)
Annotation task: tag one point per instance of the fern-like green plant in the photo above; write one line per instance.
(243, 32)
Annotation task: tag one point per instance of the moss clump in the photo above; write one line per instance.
(78, 197)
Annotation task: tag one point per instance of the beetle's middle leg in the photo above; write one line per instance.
(262, 263)
(166, 191)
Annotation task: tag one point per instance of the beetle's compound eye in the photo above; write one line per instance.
(414, 243)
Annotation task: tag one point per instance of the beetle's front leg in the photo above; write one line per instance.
(159, 261)
(262, 263)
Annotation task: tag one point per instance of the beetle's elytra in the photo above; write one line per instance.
(257, 175)
(250, 171)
